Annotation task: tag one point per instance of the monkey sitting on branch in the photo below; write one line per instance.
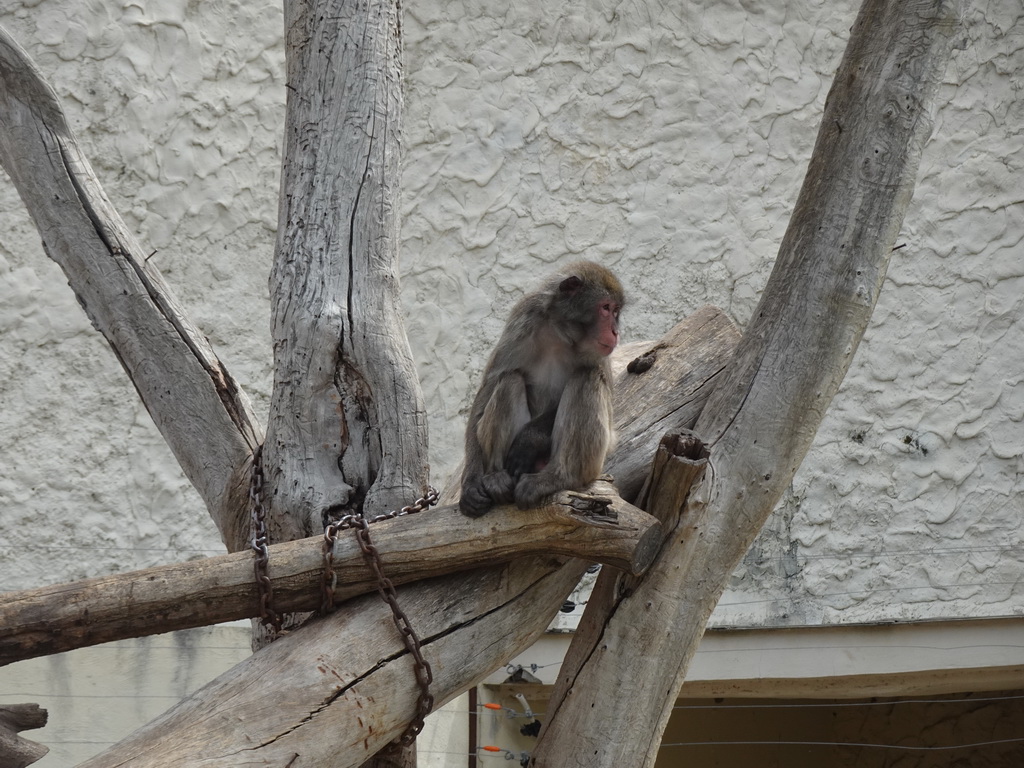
(542, 420)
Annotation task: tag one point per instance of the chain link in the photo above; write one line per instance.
(329, 578)
(260, 539)
(421, 667)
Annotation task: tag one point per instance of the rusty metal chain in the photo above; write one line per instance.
(260, 539)
(273, 620)
(421, 667)
(329, 577)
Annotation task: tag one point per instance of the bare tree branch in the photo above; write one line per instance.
(762, 418)
(200, 410)
(57, 618)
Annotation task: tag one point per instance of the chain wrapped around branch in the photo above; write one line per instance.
(361, 526)
(260, 541)
(330, 578)
(273, 620)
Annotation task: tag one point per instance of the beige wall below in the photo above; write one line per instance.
(97, 696)
(817, 681)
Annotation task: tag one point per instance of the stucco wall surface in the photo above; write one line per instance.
(667, 140)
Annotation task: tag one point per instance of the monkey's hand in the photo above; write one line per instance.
(481, 493)
(534, 488)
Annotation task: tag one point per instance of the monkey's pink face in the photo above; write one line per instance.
(607, 335)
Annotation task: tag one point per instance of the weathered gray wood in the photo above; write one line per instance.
(61, 617)
(762, 417)
(467, 630)
(208, 423)
(16, 752)
(336, 691)
(659, 398)
(347, 428)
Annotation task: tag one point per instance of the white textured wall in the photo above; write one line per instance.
(665, 139)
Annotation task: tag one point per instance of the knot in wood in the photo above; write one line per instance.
(643, 363)
(597, 509)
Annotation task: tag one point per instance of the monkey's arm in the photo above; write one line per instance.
(500, 411)
(580, 440)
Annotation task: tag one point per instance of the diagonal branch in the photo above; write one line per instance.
(205, 418)
(760, 421)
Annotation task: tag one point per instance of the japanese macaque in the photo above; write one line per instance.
(542, 420)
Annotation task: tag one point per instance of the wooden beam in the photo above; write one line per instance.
(598, 527)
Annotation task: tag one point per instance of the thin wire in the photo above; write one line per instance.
(893, 553)
(836, 705)
(100, 548)
(509, 712)
(840, 744)
(861, 646)
(773, 558)
(873, 591)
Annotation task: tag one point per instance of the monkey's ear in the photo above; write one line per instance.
(571, 284)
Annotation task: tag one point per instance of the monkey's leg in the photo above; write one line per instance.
(485, 481)
(579, 440)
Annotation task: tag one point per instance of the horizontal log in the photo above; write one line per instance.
(598, 527)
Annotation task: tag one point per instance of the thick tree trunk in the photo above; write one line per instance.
(59, 618)
(347, 429)
(762, 418)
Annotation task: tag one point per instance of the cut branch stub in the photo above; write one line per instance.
(679, 464)
(16, 752)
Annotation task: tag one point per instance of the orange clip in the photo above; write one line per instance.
(492, 749)
(492, 705)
